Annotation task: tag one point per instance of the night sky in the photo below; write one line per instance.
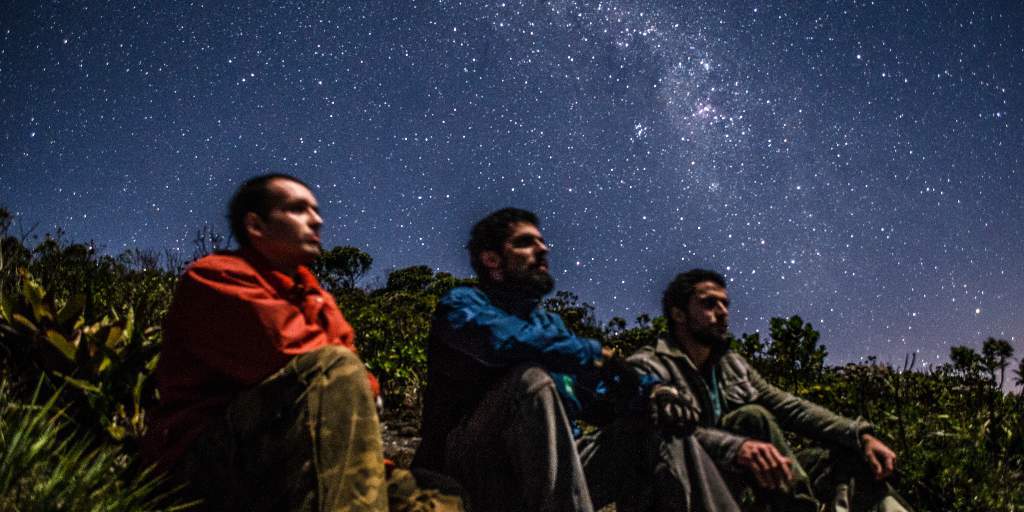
(860, 164)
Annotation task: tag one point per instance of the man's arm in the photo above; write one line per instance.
(807, 418)
(723, 446)
(231, 322)
(496, 338)
(816, 422)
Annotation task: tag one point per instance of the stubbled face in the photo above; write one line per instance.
(524, 261)
(289, 235)
(707, 314)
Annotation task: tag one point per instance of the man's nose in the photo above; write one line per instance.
(542, 247)
(314, 219)
(723, 310)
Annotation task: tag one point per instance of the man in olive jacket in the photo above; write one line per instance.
(743, 417)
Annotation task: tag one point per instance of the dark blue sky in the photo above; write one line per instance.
(856, 163)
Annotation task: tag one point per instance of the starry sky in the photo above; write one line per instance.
(856, 163)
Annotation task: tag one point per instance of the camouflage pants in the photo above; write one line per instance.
(837, 477)
(305, 439)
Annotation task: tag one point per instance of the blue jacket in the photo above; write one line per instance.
(475, 336)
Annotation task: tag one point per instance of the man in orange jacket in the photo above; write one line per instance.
(264, 403)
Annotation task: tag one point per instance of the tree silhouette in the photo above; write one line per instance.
(341, 267)
(995, 356)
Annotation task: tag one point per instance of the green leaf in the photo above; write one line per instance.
(116, 432)
(35, 295)
(128, 325)
(7, 306)
(84, 385)
(114, 335)
(68, 315)
(19, 319)
(61, 343)
(104, 364)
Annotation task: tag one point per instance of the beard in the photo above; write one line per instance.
(529, 282)
(710, 336)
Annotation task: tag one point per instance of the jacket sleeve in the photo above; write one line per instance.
(807, 418)
(495, 338)
(721, 445)
(234, 324)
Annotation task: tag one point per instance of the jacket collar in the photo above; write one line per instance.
(673, 351)
(303, 283)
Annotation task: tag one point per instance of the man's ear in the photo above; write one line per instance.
(254, 225)
(490, 259)
(678, 315)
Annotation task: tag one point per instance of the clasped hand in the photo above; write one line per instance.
(672, 412)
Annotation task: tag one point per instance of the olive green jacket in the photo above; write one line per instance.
(739, 384)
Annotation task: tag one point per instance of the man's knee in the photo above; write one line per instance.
(751, 419)
(532, 380)
(337, 365)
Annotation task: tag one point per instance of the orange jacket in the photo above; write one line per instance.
(233, 322)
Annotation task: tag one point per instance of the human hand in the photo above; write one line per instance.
(881, 458)
(616, 371)
(770, 468)
(671, 410)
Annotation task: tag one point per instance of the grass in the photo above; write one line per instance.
(47, 466)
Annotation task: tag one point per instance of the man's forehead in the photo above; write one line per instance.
(518, 229)
(705, 288)
(283, 190)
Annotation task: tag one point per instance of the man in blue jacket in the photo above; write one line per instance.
(506, 378)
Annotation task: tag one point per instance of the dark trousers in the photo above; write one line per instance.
(641, 470)
(516, 452)
(305, 439)
(834, 476)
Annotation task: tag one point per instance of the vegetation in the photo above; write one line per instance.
(89, 326)
(46, 466)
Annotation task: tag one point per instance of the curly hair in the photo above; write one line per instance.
(492, 231)
(680, 290)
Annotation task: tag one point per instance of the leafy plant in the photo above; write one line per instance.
(108, 361)
(46, 466)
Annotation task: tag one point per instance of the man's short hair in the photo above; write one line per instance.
(491, 233)
(253, 196)
(680, 290)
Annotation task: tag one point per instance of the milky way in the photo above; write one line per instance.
(858, 164)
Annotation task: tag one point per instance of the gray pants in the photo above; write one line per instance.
(640, 470)
(836, 476)
(516, 452)
(305, 439)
